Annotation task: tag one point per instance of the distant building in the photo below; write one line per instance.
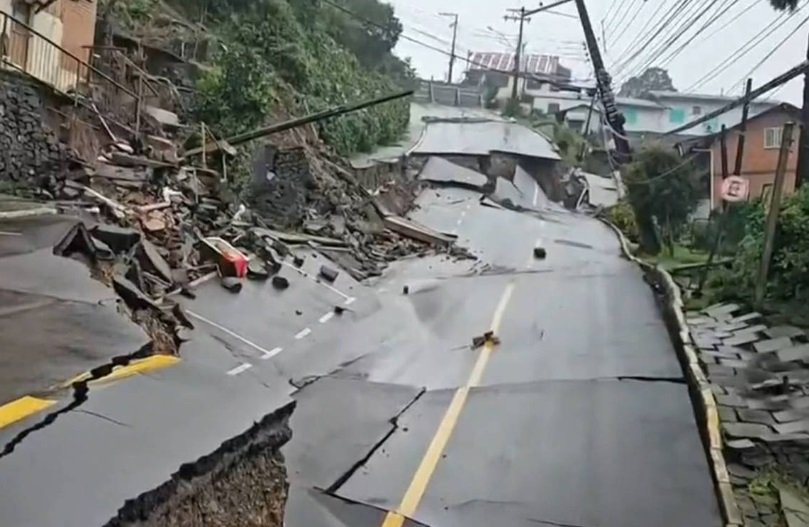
(761, 147)
(495, 69)
(48, 39)
(647, 119)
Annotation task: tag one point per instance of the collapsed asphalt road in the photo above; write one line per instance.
(579, 416)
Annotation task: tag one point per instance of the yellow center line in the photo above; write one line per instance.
(425, 470)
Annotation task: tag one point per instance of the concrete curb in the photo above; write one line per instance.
(28, 213)
(702, 396)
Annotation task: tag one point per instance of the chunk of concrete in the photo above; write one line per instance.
(131, 294)
(279, 282)
(328, 273)
(256, 270)
(231, 283)
(119, 239)
(151, 258)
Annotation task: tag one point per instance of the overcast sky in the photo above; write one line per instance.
(737, 22)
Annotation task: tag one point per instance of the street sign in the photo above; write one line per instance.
(735, 189)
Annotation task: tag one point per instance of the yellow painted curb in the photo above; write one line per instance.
(21, 408)
(155, 362)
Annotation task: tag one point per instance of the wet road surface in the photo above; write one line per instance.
(579, 416)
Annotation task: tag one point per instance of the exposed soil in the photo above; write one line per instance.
(243, 483)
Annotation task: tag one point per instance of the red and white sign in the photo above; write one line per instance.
(735, 189)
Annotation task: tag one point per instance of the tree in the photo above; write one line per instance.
(663, 189)
(651, 79)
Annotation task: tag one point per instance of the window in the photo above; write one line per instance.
(553, 107)
(630, 115)
(772, 137)
(676, 115)
(696, 110)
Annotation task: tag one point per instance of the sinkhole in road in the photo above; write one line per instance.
(244, 483)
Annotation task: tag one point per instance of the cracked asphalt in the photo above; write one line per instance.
(578, 417)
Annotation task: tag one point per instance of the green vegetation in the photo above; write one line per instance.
(663, 191)
(279, 56)
(789, 270)
(623, 217)
(270, 60)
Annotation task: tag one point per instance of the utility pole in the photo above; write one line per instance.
(772, 214)
(454, 26)
(613, 115)
(521, 18)
(737, 168)
(803, 139)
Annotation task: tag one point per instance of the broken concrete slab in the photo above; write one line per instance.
(151, 258)
(794, 353)
(439, 170)
(415, 230)
(119, 239)
(721, 310)
(795, 507)
(738, 340)
(784, 331)
(131, 294)
(768, 345)
(747, 430)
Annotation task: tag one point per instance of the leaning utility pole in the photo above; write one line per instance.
(518, 53)
(603, 80)
(772, 214)
(803, 138)
(737, 169)
(454, 26)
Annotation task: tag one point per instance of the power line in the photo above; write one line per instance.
(609, 11)
(550, 79)
(671, 14)
(746, 48)
(721, 11)
(613, 24)
(643, 30)
(773, 50)
(616, 38)
(681, 31)
(670, 37)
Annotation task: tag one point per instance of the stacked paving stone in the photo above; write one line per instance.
(760, 378)
(30, 153)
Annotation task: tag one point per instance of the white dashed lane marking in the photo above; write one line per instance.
(229, 332)
(272, 353)
(302, 333)
(325, 318)
(241, 368)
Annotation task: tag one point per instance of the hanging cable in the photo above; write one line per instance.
(773, 50)
(684, 27)
(748, 46)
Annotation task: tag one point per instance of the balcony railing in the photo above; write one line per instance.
(25, 50)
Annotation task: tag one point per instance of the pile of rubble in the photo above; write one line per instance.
(158, 224)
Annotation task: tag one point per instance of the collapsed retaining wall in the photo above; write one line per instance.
(30, 151)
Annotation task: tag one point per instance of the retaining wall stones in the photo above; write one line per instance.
(30, 152)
